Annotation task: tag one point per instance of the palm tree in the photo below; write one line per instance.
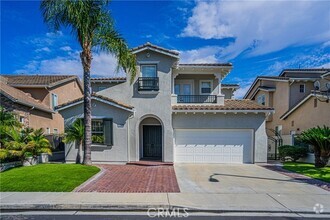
(75, 133)
(37, 143)
(7, 119)
(91, 24)
(16, 142)
(319, 138)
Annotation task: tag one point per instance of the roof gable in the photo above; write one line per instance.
(97, 97)
(36, 81)
(152, 47)
(21, 97)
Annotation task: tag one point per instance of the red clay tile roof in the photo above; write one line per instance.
(230, 104)
(21, 97)
(96, 96)
(204, 64)
(108, 79)
(318, 70)
(229, 85)
(37, 80)
(148, 44)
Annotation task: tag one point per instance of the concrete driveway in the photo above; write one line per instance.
(240, 179)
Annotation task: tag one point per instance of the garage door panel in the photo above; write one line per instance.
(213, 146)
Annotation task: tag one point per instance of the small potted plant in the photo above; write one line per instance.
(29, 159)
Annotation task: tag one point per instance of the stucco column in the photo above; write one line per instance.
(220, 96)
(174, 75)
(219, 77)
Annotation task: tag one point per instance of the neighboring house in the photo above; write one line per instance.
(34, 97)
(300, 98)
(171, 112)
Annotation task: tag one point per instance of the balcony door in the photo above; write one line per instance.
(183, 87)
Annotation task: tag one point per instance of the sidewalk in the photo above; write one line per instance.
(222, 202)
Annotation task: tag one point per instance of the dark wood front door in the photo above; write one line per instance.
(152, 141)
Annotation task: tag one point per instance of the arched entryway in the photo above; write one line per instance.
(151, 139)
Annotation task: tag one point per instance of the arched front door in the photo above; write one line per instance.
(151, 139)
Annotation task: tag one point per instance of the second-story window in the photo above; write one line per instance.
(206, 87)
(54, 100)
(148, 70)
(302, 88)
(261, 99)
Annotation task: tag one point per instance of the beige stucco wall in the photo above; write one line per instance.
(39, 119)
(65, 92)
(296, 95)
(306, 116)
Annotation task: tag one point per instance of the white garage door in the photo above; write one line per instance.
(213, 146)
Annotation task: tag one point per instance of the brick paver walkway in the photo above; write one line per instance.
(133, 179)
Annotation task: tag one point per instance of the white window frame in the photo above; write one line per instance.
(300, 88)
(185, 81)
(261, 96)
(55, 131)
(200, 87)
(154, 65)
(54, 95)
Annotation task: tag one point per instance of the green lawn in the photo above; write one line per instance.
(46, 178)
(309, 170)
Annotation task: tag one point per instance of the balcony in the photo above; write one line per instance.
(148, 84)
(197, 99)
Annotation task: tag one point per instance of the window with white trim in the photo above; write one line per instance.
(54, 100)
(102, 131)
(302, 88)
(261, 99)
(148, 70)
(55, 131)
(205, 87)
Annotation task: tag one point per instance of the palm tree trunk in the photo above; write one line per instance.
(86, 59)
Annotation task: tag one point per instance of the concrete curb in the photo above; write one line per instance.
(128, 207)
(91, 179)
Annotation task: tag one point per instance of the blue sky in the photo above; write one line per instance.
(258, 37)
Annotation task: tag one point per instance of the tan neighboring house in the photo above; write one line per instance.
(300, 98)
(34, 97)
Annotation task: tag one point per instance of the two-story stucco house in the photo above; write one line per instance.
(171, 112)
(33, 98)
(300, 98)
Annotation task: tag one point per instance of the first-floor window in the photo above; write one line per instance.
(102, 131)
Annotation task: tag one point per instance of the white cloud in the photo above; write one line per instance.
(314, 59)
(201, 55)
(44, 49)
(239, 93)
(102, 65)
(66, 48)
(260, 26)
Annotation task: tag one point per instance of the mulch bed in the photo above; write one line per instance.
(300, 177)
(133, 179)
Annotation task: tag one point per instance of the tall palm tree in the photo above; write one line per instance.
(91, 23)
(75, 133)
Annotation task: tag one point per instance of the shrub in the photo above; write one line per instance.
(293, 153)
